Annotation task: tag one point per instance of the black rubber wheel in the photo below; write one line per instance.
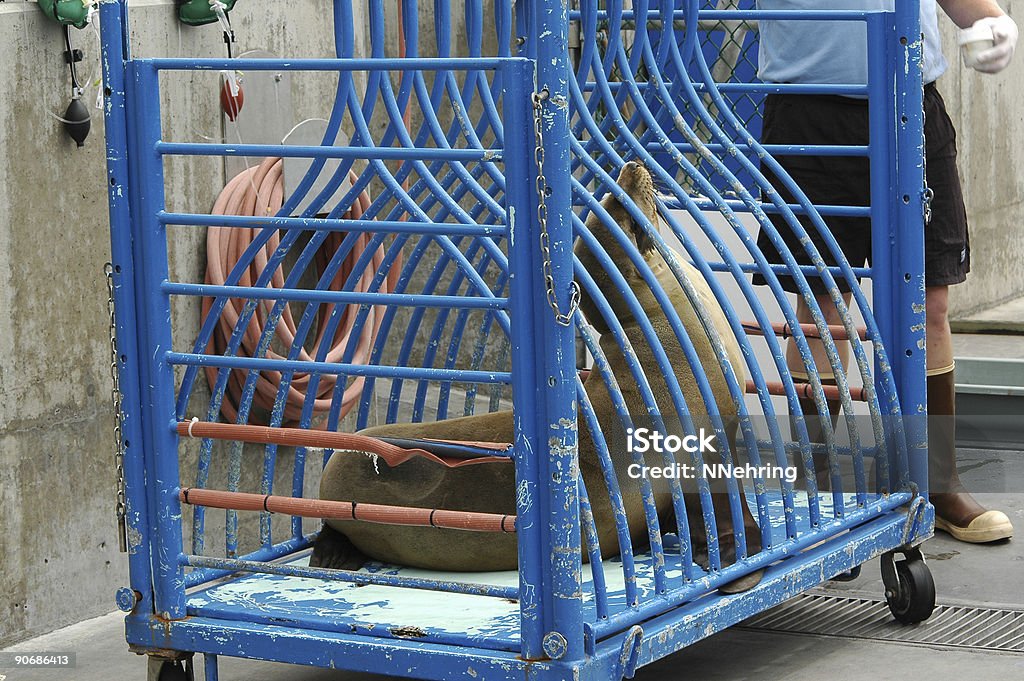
(914, 599)
(175, 671)
(852, 574)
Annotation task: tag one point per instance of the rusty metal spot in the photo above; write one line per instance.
(408, 632)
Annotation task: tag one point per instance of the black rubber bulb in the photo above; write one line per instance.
(76, 121)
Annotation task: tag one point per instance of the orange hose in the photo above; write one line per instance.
(301, 437)
(260, 191)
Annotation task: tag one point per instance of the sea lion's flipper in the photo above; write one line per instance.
(333, 550)
(728, 557)
(744, 583)
(726, 539)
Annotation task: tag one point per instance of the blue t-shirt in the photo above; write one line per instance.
(833, 52)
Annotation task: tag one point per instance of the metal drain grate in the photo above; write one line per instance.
(950, 625)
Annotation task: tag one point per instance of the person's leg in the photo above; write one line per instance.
(947, 262)
(813, 420)
(956, 511)
(843, 181)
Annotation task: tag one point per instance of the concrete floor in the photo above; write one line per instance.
(734, 655)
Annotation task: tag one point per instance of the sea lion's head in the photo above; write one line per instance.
(636, 182)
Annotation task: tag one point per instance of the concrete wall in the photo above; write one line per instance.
(58, 548)
(988, 114)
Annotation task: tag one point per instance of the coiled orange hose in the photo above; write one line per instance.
(260, 191)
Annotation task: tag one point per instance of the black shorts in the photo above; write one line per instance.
(845, 181)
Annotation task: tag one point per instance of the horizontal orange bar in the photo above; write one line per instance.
(350, 510)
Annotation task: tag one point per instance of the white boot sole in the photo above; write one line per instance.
(988, 527)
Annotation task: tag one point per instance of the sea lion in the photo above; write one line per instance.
(490, 487)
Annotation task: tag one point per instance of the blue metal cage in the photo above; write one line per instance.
(464, 302)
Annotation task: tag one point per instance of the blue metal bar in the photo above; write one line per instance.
(158, 399)
(116, 50)
(296, 151)
(662, 362)
(455, 345)
(881, 130)
(806, 270)
(456, 336)
(801, 343)
(589, 530)
(620, 132)
(260, 364)
(474, 20)
(773, 149)
(434, 345)
(337, 400)
(775, 209)
(363, 651)
(739, 15)
(375, 64)
(663, 635)
(337, 297)
(415, 259)
(303, 263)
(198, 576)
(331, 225)
(746, 88)
(434, 102)
(908, 357)
(550, 567)
(412, 334)
(384, 329)
(236, 565)
(679, 123)
(425, 174)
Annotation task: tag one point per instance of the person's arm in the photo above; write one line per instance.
(965, 13)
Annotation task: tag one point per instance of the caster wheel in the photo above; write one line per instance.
(913, 599)
(170, 670)
(849, 576)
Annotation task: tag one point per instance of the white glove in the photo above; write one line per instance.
(1004, 33)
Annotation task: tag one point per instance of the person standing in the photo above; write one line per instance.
(836, 52)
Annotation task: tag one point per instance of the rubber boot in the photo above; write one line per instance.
(956, 511)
